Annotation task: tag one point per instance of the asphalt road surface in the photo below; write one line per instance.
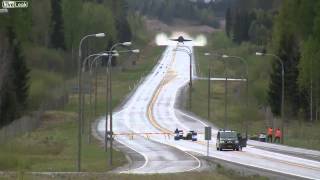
(145, 121)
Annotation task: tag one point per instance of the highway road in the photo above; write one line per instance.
(150, 113)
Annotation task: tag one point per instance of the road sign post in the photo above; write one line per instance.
(207, 136)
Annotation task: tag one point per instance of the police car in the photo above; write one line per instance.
(191, 135)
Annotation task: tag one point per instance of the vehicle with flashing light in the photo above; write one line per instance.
(191, 135)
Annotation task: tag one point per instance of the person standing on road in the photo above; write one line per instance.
(269, 133)
(278, 135)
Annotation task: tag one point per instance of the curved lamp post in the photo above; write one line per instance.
(225, 90)
(282, 87)
(247, 82)
(189, 52)
(109, 94)
(80, 110)
(95, 61)
(86, 60)
(209, 80)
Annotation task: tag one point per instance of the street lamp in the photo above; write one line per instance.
(80, 110)
(247, 83)
(114, 54)
(225, 89)
(282, 89)
(189, 52)
(209, 81)
(109, 93)
(95, 61)
(86, 60)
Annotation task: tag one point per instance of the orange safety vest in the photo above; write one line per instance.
(278, 133)
(270, 131)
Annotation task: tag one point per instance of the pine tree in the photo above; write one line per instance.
(120, 8)
(14, 93)
(290, 55)
(57, 35)
(237, 28)
(20, 73)
(228, 22)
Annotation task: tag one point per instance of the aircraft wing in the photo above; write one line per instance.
(174, 39)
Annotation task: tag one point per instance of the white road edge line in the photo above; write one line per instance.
(144, 156)
(121, 142)
(199, 162)
(244, 163)
(184, 114)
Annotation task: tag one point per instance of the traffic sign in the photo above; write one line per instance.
(207, 133)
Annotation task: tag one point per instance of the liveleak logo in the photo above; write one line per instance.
(14, 4)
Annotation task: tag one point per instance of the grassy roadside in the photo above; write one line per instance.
(52, 147)
(220, 173)
(298, 133)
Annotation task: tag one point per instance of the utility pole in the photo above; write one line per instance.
(225, 97)
(95, 92)
(247, 85)
(209, 97)
(109, 93)
(282, 88)
(189, 52)
(90, 109)
(282, 102)
(190, 84)
(107, 109)
(311, 92)
(110, 108)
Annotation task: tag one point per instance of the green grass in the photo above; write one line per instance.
(237, 112)
(298, 133)
(42, 83)
(303, 134)
(123, 80)
(53, 147)
(220, 173)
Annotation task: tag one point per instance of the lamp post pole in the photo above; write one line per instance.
(209, 88)
(86, 60)
(282, 88)
(190, 81)
(210, 74)
(80, 105)
(109, 54)
(247, 83)
(110, 95)
(225, 96)
(189, 52)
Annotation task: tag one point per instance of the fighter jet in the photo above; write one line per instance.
(180, 39)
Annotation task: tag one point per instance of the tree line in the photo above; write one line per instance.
(289, 29)
(168, 10)
(45, 36)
